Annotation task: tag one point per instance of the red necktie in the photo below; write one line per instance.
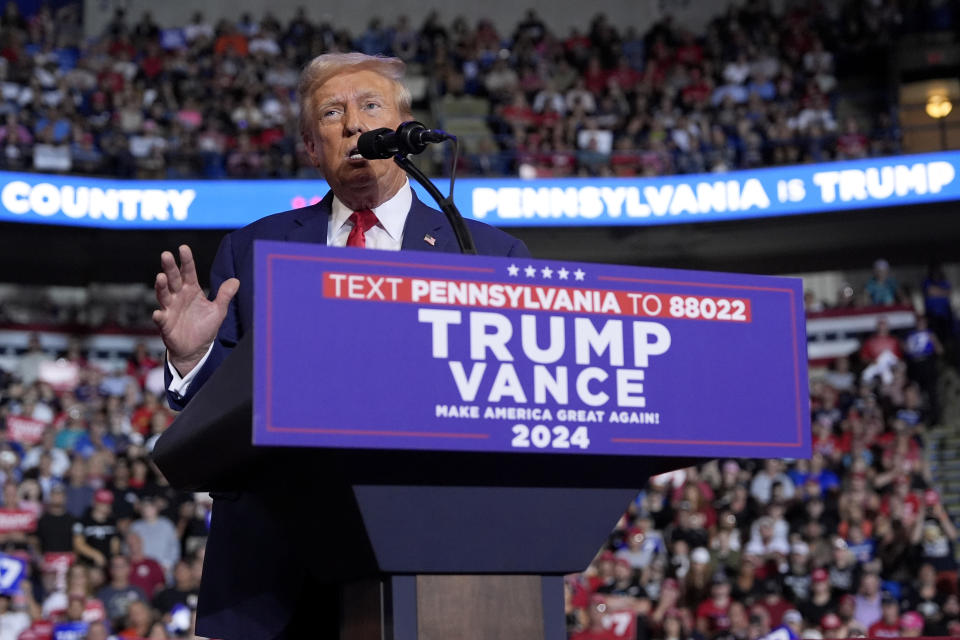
(363, 221)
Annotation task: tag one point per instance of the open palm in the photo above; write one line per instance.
(188, 321)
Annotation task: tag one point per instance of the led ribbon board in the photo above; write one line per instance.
(503, 202)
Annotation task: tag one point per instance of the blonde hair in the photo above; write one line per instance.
(328, 65)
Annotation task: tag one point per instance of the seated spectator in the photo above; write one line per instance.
(145, 572)
(50, 156)
(230, 41)
(183, 591)
(888, 626)
(16, 141)
(84, 154)
(139, 620)
(245, 161)
(118, 595)
(12, 622)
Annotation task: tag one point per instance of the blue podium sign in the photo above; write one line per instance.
(381, 350)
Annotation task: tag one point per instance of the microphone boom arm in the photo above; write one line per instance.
(460, 230)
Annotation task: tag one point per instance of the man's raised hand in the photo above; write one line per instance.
(188, 321)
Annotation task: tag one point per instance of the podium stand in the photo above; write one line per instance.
(465, 544)
(442, 544)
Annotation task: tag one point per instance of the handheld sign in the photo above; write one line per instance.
(12, 571)
(383, 350)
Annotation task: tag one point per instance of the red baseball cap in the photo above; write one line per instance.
(831, 621)
(103, 496)
(819, 575)
(911, 620)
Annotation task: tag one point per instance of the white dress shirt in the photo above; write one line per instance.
(386, 235)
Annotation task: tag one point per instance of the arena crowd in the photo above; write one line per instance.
(217, 100)
(854, 541)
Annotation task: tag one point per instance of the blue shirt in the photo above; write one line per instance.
(919, 344)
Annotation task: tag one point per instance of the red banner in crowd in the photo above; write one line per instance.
(17, 520)
(25, 430)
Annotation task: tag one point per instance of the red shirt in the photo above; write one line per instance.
(689, 54)
(883, 630)
(148, 575)
(152, 66)
(875, 345)
(626, 77)
(776, 610)
(140, 420)
(713, 612)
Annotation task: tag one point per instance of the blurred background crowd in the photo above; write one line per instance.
(859, 540)
(218, 99)
(855, 541)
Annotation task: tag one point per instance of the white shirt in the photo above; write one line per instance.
(386, 235)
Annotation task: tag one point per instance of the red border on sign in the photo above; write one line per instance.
(426, 434)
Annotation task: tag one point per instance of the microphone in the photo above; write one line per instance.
(410, 138)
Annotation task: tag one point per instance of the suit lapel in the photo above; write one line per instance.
(422, 225)
(425, 224)
(310, 224)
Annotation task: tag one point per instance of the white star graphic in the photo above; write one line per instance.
(578, 274)
(530, 271)
(562, 273)
(546, 272)
(513, 270)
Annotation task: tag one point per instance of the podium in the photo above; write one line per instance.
(429, 543)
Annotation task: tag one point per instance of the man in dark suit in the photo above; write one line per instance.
(253, 584)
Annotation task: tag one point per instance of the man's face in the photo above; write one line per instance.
(343, 107)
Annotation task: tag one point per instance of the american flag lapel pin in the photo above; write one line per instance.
(430, 240)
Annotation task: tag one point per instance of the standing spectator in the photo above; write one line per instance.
(55, 527)
(882, 288)
(923, 347)
(934, 534)
(159, 536)
(79, 493)
(936, 303)
(28, 367)
(95, 536)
